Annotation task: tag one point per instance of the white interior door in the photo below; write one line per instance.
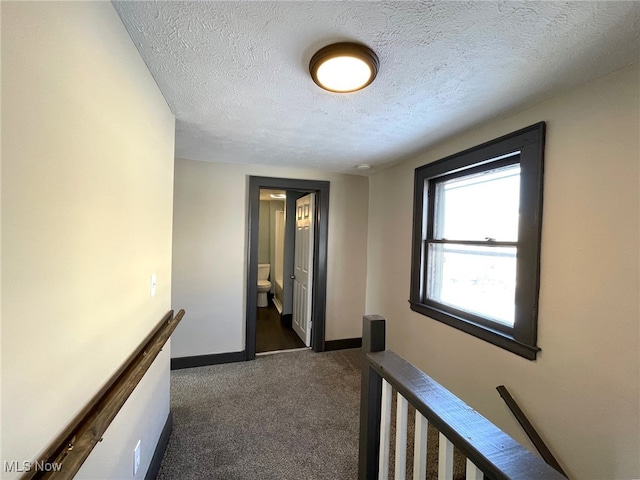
(303, 267)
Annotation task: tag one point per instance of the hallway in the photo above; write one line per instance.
(291, 416)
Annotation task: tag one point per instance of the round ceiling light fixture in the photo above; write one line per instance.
(344, 67)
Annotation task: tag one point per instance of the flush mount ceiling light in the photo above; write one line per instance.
(344, 67)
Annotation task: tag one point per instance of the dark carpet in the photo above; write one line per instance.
(459, 460)
(288, 416)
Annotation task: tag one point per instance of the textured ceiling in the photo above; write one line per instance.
(235, 74)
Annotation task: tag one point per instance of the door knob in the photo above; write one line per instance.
(293, 277)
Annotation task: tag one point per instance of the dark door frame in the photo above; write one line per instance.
(319, 307)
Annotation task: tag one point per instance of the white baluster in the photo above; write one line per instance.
(473, 472)
(385, 429)
(420, 448)
(445, 459)
(401, 438)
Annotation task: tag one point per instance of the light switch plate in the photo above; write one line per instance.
(136, 458)
(153, 285)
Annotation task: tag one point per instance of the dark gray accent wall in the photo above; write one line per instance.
(264, 235)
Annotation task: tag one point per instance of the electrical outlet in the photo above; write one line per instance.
(136, 458)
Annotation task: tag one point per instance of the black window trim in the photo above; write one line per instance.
(529, 142)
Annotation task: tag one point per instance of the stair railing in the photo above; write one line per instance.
(489, 451)
(66, 454)
(528, 428)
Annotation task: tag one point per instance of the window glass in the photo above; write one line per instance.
(476, 279)
(479, 207)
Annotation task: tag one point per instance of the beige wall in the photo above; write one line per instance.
(210, 248)
(141, 418)
(583, 391)
(87, 172)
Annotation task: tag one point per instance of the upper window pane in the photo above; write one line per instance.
(482, 206)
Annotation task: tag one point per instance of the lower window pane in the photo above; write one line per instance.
(476, 279)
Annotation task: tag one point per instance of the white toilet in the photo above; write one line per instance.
(264, 285)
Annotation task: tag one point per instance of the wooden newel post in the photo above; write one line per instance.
(373, 340)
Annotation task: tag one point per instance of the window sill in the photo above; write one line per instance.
(499, 339)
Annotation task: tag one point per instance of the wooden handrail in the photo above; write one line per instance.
(70, 449)
(497, 454)
(494, 452)
(529, 429)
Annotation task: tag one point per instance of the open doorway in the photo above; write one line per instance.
(274, 329)
(314, 284)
